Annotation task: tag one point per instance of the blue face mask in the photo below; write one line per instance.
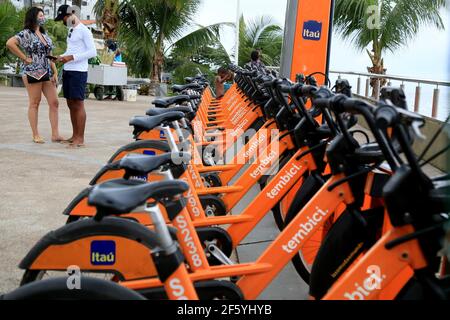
(41, 21)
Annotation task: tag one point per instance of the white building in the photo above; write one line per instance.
(87, 6)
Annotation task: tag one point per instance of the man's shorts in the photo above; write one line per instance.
(74, 84)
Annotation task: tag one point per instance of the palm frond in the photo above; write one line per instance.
(260, 33)
(204, 36)
(400, 20)
(9, 25)
(405, 20)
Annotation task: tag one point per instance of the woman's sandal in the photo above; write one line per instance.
(68, 141)
(38, 140)
(61, 140)
(75, 146)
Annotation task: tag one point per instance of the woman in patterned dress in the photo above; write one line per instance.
(40, 75)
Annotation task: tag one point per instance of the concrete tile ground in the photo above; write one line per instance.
(38, 181)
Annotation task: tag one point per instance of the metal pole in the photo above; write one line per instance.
(377, 89)
(417, 98)
(367, 87)
(358, 87)
(238, 20)
(435, 103)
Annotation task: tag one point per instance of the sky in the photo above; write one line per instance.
(427, 56)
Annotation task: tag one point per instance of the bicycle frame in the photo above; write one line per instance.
(257, 276)
(256, 145)
(381, 273)
(241, 226)
(233, 194)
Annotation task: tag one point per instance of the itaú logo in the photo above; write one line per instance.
(371, 283)
(305, 230)
(103, 253)
(312, 30)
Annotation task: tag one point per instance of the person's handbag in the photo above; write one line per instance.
(37, 76)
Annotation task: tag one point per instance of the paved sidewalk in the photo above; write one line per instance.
(38, 181)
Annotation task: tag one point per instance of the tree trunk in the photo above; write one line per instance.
(155, 76)
(377, 68)
(157, 64)
(110, 20)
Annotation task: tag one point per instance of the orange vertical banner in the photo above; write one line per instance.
(309, 42)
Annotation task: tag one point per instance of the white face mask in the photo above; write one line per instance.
(70, 22)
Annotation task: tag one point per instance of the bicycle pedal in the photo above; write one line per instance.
(219, 255)
(209, 160)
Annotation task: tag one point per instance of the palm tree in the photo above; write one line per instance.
(260, 33)
(149, 29)
(107, 12)
(9, 24)
(58, 33)
(385, 25)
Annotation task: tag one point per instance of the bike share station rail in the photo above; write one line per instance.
(183, 261)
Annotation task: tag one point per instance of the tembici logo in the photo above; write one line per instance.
(312, 30)
(103, 253)
(305, 229)
(369, 284)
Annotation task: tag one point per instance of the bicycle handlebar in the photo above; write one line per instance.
(385, 116)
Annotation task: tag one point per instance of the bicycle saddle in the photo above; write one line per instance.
(122, 196)
(159, 111)
(148, 123)
(167, 102)
(196, 78)
(145, 164)
(369, 153)
(180, 88)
